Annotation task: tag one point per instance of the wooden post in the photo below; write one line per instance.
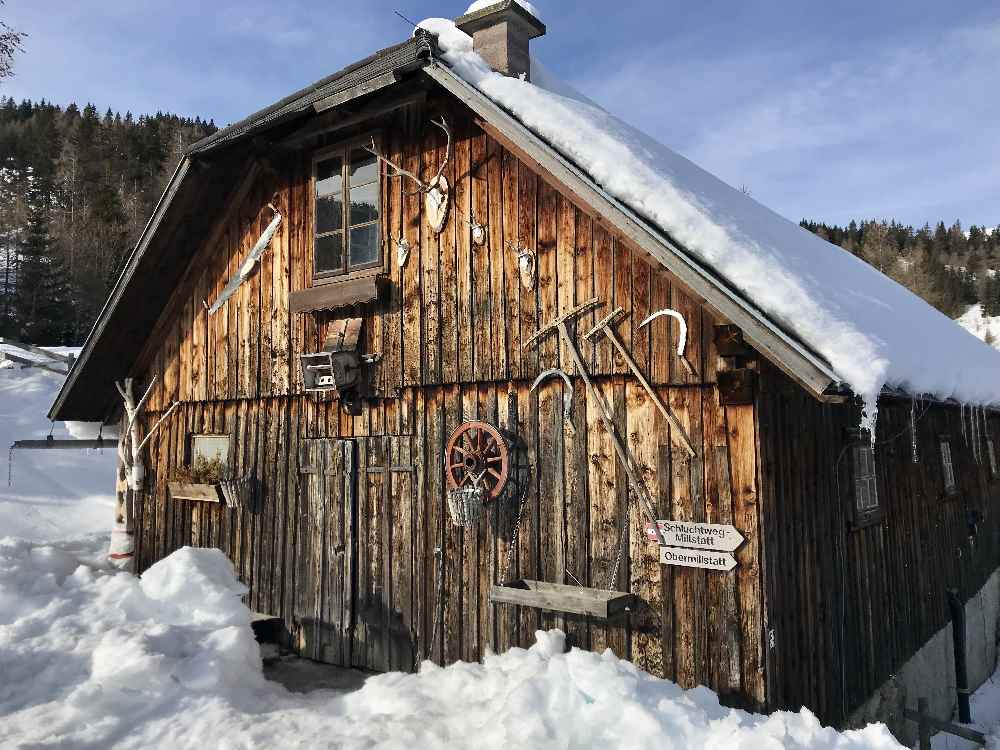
(923, 725)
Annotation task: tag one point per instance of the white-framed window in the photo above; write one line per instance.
(948, 467)
(866, 502)
(210, 448)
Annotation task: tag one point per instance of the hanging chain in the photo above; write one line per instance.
(438, 559)
(513, 538)
(621, 546)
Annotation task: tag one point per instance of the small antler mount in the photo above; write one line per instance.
(437, 191)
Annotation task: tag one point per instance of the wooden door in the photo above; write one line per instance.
(324, 616)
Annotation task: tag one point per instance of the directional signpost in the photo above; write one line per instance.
(697, 545)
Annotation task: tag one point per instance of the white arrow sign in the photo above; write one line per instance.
(696, 558)
(694, 535)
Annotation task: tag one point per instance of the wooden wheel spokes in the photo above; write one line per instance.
(478, 455)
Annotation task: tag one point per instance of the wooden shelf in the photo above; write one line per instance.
(200, 493)
(560, 598)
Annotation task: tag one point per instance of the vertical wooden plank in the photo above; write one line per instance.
(527, 213)
(577, 506)
(435, 514)
(415, 293)
(548, 273)
(528, 540)
(605, 520)
(551, 496)
(658, 331)
(690, 584)
(452, 547)
(741, 438)
(402, 480)
(583, 273)
(484, 349)
(512, 282)
(724, 625)
(465, 316)
(470, 554)
(641, 281)
(622, 298)
(438, 260)
(645, 438)
(493, 214)
(392, 353)
(604, 289)
(565, 262)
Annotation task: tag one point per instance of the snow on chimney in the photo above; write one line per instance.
(501, 32)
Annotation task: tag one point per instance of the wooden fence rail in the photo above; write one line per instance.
(926, 722)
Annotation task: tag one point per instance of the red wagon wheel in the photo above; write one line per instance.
(477, 452)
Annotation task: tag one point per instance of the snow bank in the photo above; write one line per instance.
(96, 658)
(53, 494)
(871, 330)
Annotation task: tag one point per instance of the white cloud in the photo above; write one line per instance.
(906, 128)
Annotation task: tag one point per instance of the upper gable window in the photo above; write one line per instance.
(347, 234)
(948, 467)
(866, 502)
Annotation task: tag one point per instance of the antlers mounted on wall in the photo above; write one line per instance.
(436, 191)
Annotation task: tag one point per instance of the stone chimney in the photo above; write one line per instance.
(501, 34)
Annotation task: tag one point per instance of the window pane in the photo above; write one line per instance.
(364, 245)
(364, 167)
(329, 176)
(210, 447)
(364, 204)
(329, 213)
(330, 253)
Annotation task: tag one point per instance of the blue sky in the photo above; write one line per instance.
(830, 111)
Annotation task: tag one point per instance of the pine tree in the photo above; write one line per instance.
(43, 304)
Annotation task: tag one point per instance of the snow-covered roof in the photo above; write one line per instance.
(872, 331)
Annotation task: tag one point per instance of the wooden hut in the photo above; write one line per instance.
(383, 352)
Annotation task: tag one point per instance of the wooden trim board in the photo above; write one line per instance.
(560, 598)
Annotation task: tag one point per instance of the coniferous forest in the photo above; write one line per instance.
(77, 187)
(76, 190)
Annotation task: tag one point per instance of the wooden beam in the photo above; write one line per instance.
(362, 89)
(799, 364)
(68, 359)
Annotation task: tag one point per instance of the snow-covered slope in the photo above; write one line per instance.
(97, 659)
(53, 494)
(984, 327)
(872, 330)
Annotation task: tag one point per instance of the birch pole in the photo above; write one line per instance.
(131, 473)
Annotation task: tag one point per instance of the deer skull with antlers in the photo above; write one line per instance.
(436, 192)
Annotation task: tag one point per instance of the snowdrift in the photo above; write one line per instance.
(97, 658)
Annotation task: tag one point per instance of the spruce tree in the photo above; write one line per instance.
(43, 304)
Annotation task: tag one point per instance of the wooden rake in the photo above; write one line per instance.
(560, 324)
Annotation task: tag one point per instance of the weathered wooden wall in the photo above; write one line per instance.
(693, 626)
(848, 606)
(450, 331)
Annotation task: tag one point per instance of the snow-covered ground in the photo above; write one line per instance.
(91, 657)
(982, 326)
(99, 659)
(52, 494)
